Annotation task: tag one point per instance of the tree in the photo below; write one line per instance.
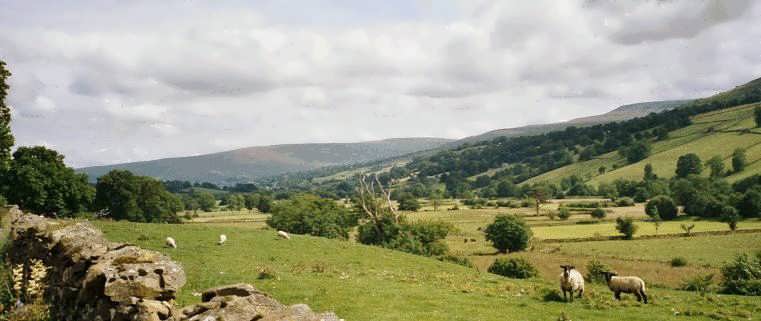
(636, 152)
(436, 200)
(409, 203)
(310, 214)
(738, 160)
(626, 226)
(688, 164)
(265, 204)
(730, 216)
(662, 206)
(135, 198)
(251, 200)
(42, 183)
(757, 115)
(716, 165)
(750, 204)
(598, 213)
(649, 175)
(508, 233)
(206, 200)
(6, 137)
(235, 202)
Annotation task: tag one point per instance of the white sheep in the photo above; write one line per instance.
(222, 239)
(571, 281)
(170, 242)
(626, 284)
(284, 235)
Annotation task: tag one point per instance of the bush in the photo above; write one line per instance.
(730, 216)
(678, 261)
(3, 201)
(599, 213)
(310, 214)
(516, 268)
(626, 226)
(624, 201)
(508, 233)
(460, 260)
(742, 276)
(409, 203)
(663, 206)
(750, 205)
(698, 283)
(596, 269)
(564, 213)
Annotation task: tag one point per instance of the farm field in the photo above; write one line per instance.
(369, 283)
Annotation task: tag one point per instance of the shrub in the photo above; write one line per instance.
(750, 204)
(742, 276)
(663, 206)
(516, 268)
(678, 261)
(730, 216)
(599, 213)
(596, 269)
(564, 213)
(698, 283)
(687, 228)
(626, 226)
(460, 260)
(624, 201)
(550, 295)
(508, 233)
(310, 214)
(409, 203)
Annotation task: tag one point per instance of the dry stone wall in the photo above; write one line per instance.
(91, 278)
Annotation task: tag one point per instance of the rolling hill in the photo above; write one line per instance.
(247, 164)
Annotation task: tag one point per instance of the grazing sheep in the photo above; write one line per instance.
(571, 281)
(626, 284)
(222, 239)
(284, 235)
(170, 242)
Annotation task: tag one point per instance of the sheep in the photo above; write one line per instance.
(283, 234)
(170, 242)
(626, 284)
(222, 239)
(571, 281)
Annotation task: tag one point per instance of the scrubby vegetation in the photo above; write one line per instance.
(516, 268)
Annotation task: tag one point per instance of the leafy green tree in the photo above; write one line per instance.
(750, 204)
(252, 200)
(636, 152)
(409, 203)
(757, 115)
(598, 213)
(40, 182)
(135, 198)
(235, 202)
(689, 164)
(716, 165)
(663, 206)
(508, 233)
(310, 214)
(206, 200)
(739, 160)
(6, 137)
(649, 175)
(626, 226)
(730, 216)
(265, 204)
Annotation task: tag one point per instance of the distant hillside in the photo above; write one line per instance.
(246, 164)
(621, 113)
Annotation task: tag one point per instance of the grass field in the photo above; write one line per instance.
(369, 283)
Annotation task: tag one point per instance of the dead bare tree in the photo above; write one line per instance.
(375, 201)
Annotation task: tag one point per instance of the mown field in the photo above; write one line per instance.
(368, 283)
(711, 134)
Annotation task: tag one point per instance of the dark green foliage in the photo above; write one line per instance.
(206, 201)
(595, 270)
(125, 196)
(626, 226)
(636, 152)
(701, 196)
(739, 160)
(508, 233)
(678, 262)
(40, 182)
(731, 216)
(6, 137)
(598, 213)
(698, 283)
(716, 165)
(310, 214)
(422, 238)
(564, 213)
(757, 115)
(234, 202)
(750, 204)
(663, 206)
(516, 268)
(747, 183)
(742, 276)
(649, 174)
(689, 164)
(409, 203)
(624, 202)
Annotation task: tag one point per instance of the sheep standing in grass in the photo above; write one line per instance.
(571, 281)
(222, 239)
(170, 242)
(284, 235)
(626, 284)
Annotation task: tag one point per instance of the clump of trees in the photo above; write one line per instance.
(122, 195)
(313, 215)
(662, 207)
(508, 233)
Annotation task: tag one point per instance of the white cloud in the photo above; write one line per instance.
(133, 83)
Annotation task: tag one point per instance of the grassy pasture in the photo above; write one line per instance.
(368, 283)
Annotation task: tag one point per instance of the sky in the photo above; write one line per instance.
(118, 81)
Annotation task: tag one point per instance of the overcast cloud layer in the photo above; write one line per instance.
(117, 81)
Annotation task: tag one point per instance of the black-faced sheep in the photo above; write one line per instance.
(571, 281)
(626, 284)
(170, 242)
